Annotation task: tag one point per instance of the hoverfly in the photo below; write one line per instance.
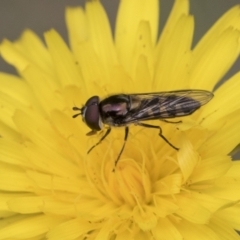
(124, 109)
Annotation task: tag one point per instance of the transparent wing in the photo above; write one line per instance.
(161, 105)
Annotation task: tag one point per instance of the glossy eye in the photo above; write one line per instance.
(91, 115)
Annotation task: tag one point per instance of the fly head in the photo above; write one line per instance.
(90, 114)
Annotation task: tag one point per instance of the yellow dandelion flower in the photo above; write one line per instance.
(52, 189)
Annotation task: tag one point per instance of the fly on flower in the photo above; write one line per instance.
(124, 109)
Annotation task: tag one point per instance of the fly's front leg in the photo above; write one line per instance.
(160, 133)
(103, 137)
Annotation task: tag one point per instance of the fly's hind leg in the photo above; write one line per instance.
(167, 121)
(160, 133)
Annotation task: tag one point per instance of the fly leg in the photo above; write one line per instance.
(125, 140)
(160, 133)
(103, 137)
(167, 121)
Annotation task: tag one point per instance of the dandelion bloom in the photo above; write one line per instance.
(51, 188)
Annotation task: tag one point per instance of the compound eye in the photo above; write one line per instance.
(91, 115)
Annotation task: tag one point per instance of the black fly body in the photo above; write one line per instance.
(124, 109)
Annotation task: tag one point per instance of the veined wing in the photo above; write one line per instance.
(161, 105)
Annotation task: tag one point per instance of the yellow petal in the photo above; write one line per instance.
(62, 58)
(231, 216)
(26, 205)
(142, 76)
(14, 94)
(43, 84)
(230, 19)
(180, 8)
(56, 150)
(143, 48)
(70, 206)
(187, 159)
(192, 231)
(169, 185)
(17, 89)
(225, 139)
(191, 210)
(72, 229)
(31, 46)
(100, 34)
(5, 197)
(174, 59)
(77, 26)
(164, 206)
(225, 188)
(45, 88)
(11, 152)
(9, 133)
(219, 55)
(211, 203)
(223, 103)
(95, 78)
(65, 184)
(29, 227)
(58, 166)
(128, 23)
(13, 56)
(211, 168)
(234, 170)
(223, 38)
(13, 179)
(8, 105)
(223, 229)
(166, 230)
(144, 217)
